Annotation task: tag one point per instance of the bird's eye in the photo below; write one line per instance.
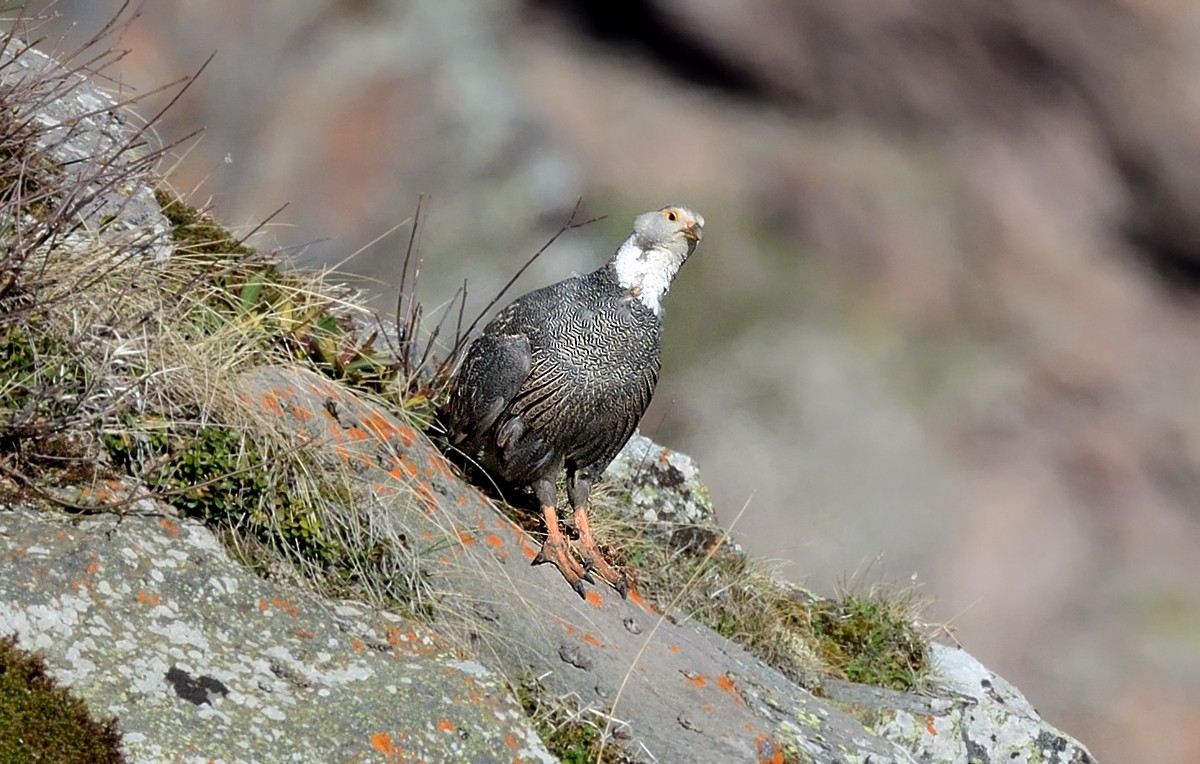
(671, 215)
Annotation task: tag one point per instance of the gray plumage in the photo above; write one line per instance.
(560, 377)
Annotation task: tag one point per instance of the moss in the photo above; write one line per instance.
(43, 391)
(282, 306)
(196, 231)
(870, 640)
(224, 477)
(40, 721)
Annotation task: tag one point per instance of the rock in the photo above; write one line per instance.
(148, 618)
(111, 200)
(660, 490)
(976, 716)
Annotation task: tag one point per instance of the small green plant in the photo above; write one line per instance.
(222, 476)
(41, 721)
(563, 730)
(871, 639)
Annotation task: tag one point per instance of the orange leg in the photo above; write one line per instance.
(593, 560)
(556, 550)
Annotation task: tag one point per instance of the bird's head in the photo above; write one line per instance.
(674, 227)
(660, 243)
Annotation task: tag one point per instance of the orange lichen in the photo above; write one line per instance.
(725, 683)
(697, 679)
(357, 646)
(281, 604)
(382, 742)
(304, 634)
(151, 600)
(566, 626)
(636, 599)
(769, 751)
(592, 640)
(510, 740)
(673, 648)
(407, 435)
(528, 551)
(171, 528)
(594, 598)
(270, 402)
(494, 540)
(445, 725)
(930, 726)
(466, 538)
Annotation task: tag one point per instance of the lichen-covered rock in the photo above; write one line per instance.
(661, 490)
(149, 619)
(972, 716)
(77, 122)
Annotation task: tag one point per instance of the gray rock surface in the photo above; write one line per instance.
(149, 619)
(78, 121)
(661, 490)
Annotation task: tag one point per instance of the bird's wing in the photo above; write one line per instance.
(495, 368)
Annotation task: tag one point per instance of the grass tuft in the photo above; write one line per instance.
(873, 636)
(564, 729)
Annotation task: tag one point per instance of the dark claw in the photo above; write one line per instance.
(587, 576)
(623, 586)
(588, 564)
(541, 557)
(578, 586)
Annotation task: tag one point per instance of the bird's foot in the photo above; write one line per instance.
(593, 561)
(556, 550)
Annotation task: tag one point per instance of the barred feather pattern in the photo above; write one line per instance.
(559, 378)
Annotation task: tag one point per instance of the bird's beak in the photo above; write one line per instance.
(692, 231)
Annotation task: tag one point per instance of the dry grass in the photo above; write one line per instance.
(119, 359)
(869, 632)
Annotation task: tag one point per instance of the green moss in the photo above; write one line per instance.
(281, 305)
(41, 721)
(870, 640)
(224, 477)
(196, 231)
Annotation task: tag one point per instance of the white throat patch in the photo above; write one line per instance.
(646, 272)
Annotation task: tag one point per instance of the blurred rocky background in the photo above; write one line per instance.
(945, 322)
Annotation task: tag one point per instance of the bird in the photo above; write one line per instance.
(560, 377)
